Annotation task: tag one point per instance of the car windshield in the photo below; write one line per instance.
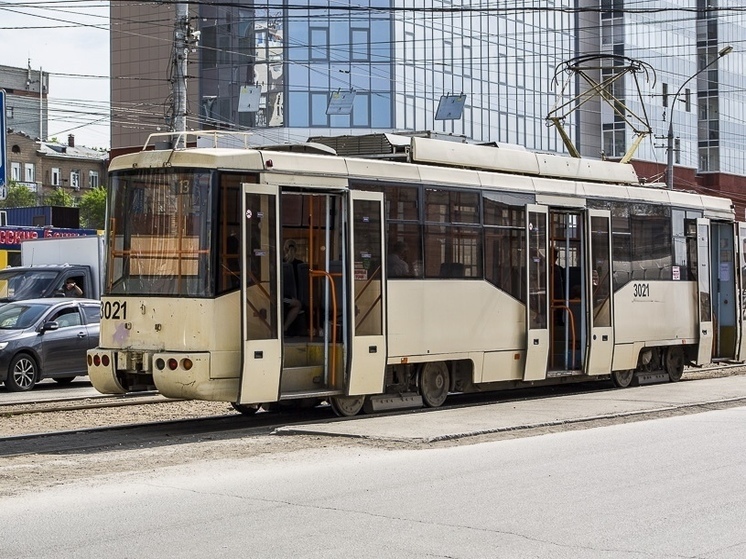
(18, 285)
(18, 316)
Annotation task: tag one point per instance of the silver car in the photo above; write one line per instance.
(46, 338)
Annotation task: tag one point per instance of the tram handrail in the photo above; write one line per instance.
(569, 312)
(330, 278)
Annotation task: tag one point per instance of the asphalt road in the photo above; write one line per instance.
(659, 488)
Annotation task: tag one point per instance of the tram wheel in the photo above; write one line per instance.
(347, 406)
(674, 363)
(623, 379)
(246, 409)
(434, 384)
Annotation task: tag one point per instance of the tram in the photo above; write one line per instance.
(418, 267)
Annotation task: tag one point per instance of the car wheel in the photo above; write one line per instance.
(22, 373)
(64, 380)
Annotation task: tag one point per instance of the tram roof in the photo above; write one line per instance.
(439, 162)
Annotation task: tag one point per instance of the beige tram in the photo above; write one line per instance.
(422, 267)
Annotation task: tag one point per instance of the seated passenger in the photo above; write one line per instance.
(397, 266)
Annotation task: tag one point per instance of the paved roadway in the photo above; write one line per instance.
(662, 488)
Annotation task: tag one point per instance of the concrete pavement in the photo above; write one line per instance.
(444, 424)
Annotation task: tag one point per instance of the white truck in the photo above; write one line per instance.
(47, 264)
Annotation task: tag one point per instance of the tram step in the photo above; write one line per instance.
(384, 402)
(295, 379)
(310, 394)
(651, 378)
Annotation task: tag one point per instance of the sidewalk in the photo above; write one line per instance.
(444, 424)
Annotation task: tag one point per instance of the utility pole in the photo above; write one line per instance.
(669, 137)
(41, 103)
(178, 85)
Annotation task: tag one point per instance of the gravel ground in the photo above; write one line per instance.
(19, 474)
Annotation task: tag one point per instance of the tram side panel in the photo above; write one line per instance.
(438, 320)
(653, 314)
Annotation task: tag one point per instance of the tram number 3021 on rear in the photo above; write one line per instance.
(642, 289)
(114, 310)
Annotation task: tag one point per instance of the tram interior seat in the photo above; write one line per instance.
(452, 270)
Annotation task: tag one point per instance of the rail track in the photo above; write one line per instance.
(52, 405)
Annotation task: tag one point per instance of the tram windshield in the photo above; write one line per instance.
(160, 233)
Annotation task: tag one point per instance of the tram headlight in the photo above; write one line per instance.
(96, 360)
(105, 360)
(173, 364)
(160, 364)
(89, 359)
(186, 364)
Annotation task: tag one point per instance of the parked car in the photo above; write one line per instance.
(46, 338)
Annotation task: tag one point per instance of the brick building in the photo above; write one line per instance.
(44, 166)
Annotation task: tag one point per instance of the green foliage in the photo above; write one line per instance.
(18, 196)
(93, 208)
(59, 198)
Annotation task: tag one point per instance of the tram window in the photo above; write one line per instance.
(449, 206)
(504, 259)
(161, 232)
(228, 268)
(652, 251)
(402, 203)
(505, 243)
(684, 233)
(453, 252)
(405, 243)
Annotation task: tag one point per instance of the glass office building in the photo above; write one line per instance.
(392, 61)
(277, 68)
(697, 90)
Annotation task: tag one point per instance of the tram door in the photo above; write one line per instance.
(537, 309)
(260, 319)
(725, 276)
(704, 292)
(601, 340)
(367, 270)
(741, 275)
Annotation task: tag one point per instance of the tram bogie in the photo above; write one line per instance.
(263, 278)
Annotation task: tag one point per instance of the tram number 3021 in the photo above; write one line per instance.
(114, 310)
(642, 289)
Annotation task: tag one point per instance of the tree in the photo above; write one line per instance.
(59, 198)
(18, 196)
(93, 208)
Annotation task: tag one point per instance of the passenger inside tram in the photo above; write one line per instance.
(294, 270)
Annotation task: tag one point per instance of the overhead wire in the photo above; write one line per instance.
(473, 9)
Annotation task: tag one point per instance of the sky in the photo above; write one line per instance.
(69, 39)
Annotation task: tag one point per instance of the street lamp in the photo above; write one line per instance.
(669, 167)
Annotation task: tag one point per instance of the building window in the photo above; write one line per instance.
(360, 45)
(28, 172)
(319, 44)
(75, 180)
(93, 179)
(56, 176)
